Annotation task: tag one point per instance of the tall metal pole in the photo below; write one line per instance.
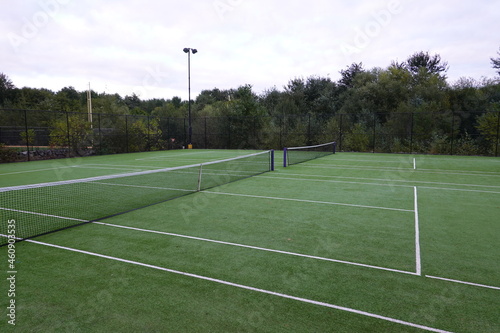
(190, 128)
(89, 106)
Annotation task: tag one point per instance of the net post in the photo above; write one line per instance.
(334, 147)
(284, 157)
(199, 178)
(272, 159)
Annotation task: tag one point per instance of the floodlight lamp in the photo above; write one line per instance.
(194, 51)
(186, 50)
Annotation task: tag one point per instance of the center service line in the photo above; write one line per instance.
(417, 235)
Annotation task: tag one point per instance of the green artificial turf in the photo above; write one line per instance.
(330, 245)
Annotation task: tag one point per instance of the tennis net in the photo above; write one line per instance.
(39, 209)
(294, 155)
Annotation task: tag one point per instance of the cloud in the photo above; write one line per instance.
(136, 47)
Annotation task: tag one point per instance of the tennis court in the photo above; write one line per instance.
(344, 243)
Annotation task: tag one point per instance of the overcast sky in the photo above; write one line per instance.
(135, 46)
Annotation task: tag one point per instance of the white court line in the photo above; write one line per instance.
(456, 158)
(386, 180)
(103, 167)
(309, 201)
(258, 248)
(131, 167)
(353, 167)
(461, 172)
(462, 282)
(17, 172)
(241, 286)
(409, 169)
(378, 184)
(414, 164)
(42, 214)
(458, 189)
(334, 181)
(173, 155)
(398, 161)
(124, 166)
(149, 187)
(417, 236)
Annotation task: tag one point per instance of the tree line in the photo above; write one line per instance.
(371, 99)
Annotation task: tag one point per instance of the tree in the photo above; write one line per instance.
(246, 102)
(422, 60)
(496, 63)
(270, 99)
(176, 101)
(466, 95)
(28, 137)
(294, 97)
(32, 98)
(6, 87)
(77, 137)
(207, 97)
(321, 94)
(132, 101)
(348, 74)
(68, 99)
(487, 125)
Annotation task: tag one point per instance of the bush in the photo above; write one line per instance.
(7, 154)
(440, 144)
(467, 146)
(357, 139)
(399, 146)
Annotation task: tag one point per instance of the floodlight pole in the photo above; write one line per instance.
(190, 128)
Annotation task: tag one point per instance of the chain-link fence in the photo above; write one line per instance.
(30, 134)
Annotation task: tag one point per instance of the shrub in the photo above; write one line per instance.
(7, 154)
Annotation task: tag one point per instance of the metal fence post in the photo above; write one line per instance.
(148, 131)
(206, 141)
(498, 134)
(27, 134)
(168, 137)
(374, 130)
(256, 135)
(309, 139)
(452, 131)
(341, 131)
(126, 133)
(281, 130)
(68, 134)
(185, 133)
(99, 131)
(411, 132)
